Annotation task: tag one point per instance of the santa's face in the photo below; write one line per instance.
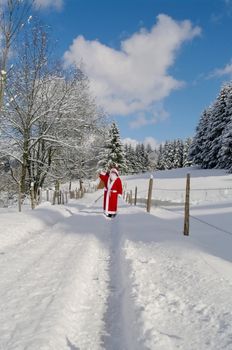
(113, 176)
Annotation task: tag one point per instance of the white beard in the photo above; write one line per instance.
(113, 177)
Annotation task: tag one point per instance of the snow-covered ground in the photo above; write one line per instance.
(169, 185)
(72, 279)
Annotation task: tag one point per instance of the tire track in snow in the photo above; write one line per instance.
(114, 336)
(120, 321)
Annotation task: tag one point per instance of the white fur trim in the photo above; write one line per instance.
(109, 186)
(110, 212)
(113, 170)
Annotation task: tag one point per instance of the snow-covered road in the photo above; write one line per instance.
(80, 281)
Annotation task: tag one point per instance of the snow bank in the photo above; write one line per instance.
(16, 227)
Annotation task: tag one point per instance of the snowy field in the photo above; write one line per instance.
(72, 279)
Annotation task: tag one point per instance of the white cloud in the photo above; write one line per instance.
(129, 141)
(153, 142)
(227, 70)
(135, 77)
(143, 119)
(57, 4)
(148, 140)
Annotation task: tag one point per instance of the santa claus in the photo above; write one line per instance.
(112, 189)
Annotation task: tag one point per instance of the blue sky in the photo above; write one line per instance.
(154, 64)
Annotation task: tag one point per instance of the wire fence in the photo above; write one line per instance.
(52, 195)
(180, 198)
(197, 219)
(173, 195)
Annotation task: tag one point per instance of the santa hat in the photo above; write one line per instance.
(114, 170)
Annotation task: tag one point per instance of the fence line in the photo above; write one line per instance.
(211, 225)
(56, 195)
(197, 219)
(194, 189)
(186, 213)
(183, 190)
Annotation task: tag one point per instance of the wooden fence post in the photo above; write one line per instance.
(19, 197)
(149, 197)
(124, 192)
(47, 195)
(126, 197)
(135, 200)
(186, 213)
(131, 197)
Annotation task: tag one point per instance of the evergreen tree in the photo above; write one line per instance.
(186, 147)
(212, 138)
(144, 159)
(160, 163)
(138, 158)
(225, 153)
(178, 154)
(148, 148)
(131, 159)
(198, 148)
(219, 121)
(113, 153)
(168, 155)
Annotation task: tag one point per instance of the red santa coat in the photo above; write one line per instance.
(111, 191)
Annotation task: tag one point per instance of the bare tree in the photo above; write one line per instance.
(49, 114)
(13, 16)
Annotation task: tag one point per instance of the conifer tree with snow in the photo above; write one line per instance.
(178, 154)
(148, 148)
(168, 155)
(131, 160)
(160, 163)
(219, 120)
(225, 153)
(137, 158)
(113, 151)
(142, 158)
(173, 154)
(198, 152)
(186, 147)
(211, 144)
